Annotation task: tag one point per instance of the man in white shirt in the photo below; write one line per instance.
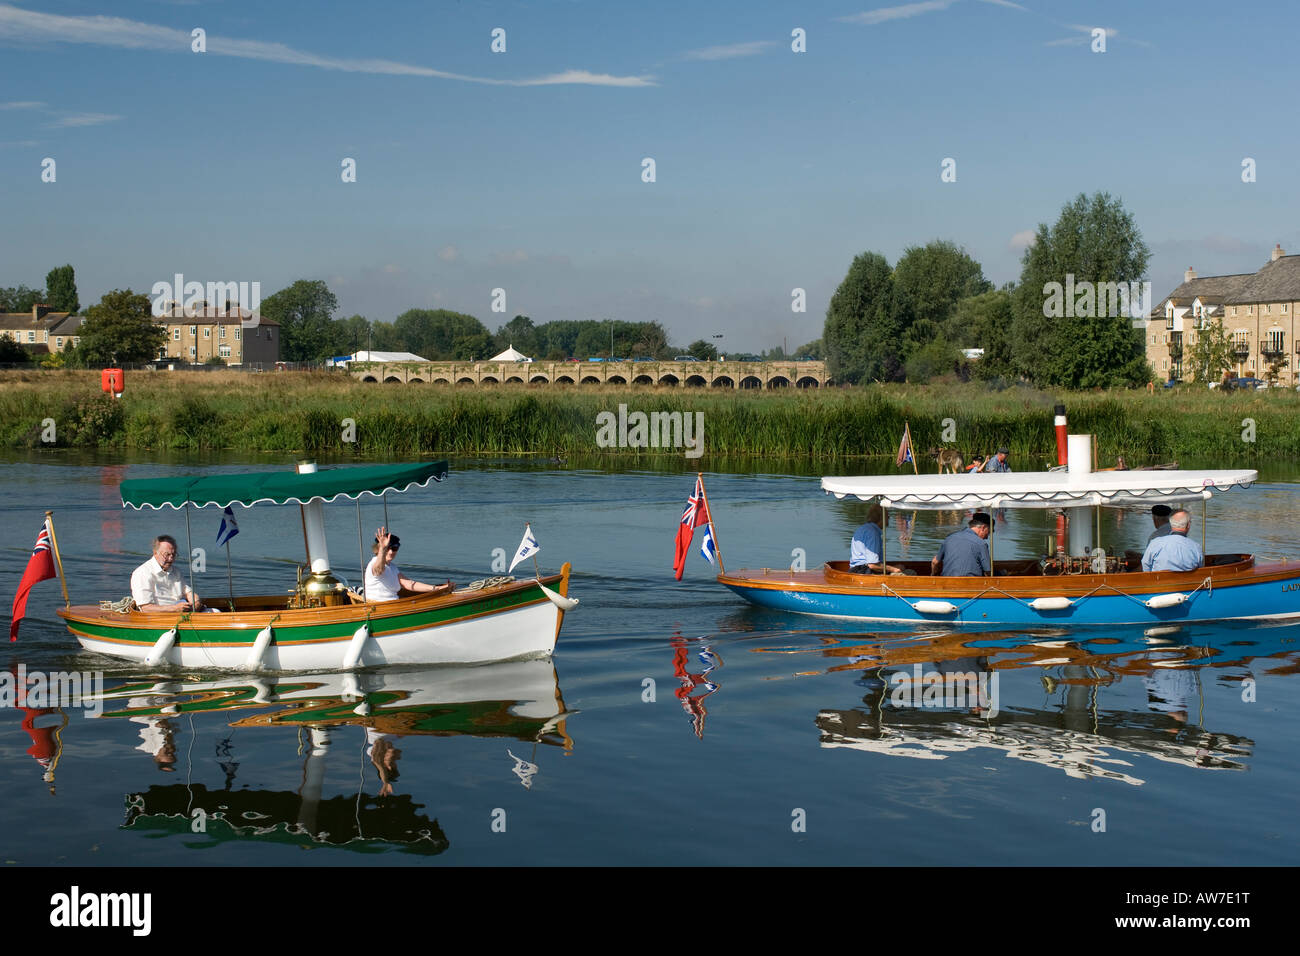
(157, 586)
(384, 582)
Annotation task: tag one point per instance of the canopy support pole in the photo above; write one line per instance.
(189, 548)
(884, 533)
(361, 549)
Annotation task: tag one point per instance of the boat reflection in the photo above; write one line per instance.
(518, 700)
(931, 694)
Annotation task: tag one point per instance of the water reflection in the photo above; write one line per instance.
(931, 694)
(519, 701)
(692, 702)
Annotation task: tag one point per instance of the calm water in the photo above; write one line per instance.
(675, 725)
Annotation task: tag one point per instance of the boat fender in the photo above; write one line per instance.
(934, 607)
(351, 689)
(1050, 603)
(356, 646)
(258, 650)
(559, 600)
(1167, 600)
(160, 647)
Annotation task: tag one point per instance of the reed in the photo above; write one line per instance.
(318, 413)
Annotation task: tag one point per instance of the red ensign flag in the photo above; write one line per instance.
(40, 567)
(695, 515)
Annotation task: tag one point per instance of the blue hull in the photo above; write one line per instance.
(1271, 599)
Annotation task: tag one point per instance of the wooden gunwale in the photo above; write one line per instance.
(830, 580)
(197, 627)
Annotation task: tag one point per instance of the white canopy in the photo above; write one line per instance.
(1036, 489)
(511, 354)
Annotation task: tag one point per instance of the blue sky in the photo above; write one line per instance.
(522, 170)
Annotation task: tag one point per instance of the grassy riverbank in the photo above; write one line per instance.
(308, 413)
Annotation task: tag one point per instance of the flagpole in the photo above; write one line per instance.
(58, 561)
(712, 531)
(230, 582)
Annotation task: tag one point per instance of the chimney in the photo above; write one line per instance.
(1189, 275)
(1278, 253)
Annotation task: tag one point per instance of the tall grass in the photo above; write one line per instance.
(317, 413)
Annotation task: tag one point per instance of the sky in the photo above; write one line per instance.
(524, 168)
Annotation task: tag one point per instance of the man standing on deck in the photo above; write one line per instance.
(1174, 551)
(964, 553)
(999, 463)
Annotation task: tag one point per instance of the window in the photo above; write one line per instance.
(1240, 340)
(1274, 340)
(207, 332)
(176, 334)
(269, 331)
(31, 336)
(59, 343)
(224, 350)
(223, 332)
(1234, 310)
(193, 351)
(1266, 310)
(236, 335)
(194, 331)
(1165, 365)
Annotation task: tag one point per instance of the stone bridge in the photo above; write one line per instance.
(736, 375)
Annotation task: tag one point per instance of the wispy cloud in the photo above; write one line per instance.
(729, 51)
(34, 27)
(1006, 3)
(870, 18)
(1085, 36)
(22, 105)
(82, 119)
(449, 253)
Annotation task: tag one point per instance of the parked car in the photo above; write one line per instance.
(1171, 383)
(686, 358)
(1246, 382)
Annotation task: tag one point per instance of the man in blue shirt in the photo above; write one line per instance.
(965, 553)
(999, 463)
(865, 549)
(1174, 551)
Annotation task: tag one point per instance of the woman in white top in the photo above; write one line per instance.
(384, 582)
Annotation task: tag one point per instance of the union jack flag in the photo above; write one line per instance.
(696, 514)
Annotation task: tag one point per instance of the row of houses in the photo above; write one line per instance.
(194, 334)
(1257, 310)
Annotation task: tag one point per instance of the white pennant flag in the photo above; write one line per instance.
(527, 548)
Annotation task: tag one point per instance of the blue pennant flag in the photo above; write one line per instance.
(228, 527)
(708, 549)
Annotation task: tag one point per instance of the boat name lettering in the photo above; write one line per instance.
(1291, 587)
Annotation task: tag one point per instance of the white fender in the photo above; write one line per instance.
(263, 693)
(559, 600)
(161, 647)
(258, 650)
(356, 646)
(934, 607)
(351, 689)
(1167, 600)
(1050, 603)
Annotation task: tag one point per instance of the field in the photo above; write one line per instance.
(333, 416)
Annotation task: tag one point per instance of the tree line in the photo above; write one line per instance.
(912, 321)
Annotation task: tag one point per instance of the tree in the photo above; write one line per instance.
(349, 335)
(120, 329)
(19, 299)
(11, 352)
(930, 280)
(812, 350)
(518, 333)
(703, 350)
(984, 322)
(860, 337)
(61, 289)
(1211, 354)
(304, 311)
(1093, 245)
(433, 334)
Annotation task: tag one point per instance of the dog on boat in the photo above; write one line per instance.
(948, 459)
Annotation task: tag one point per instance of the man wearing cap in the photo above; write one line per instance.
(1160, 518)
(1174, 551)
(965, 553)
(999, 463)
